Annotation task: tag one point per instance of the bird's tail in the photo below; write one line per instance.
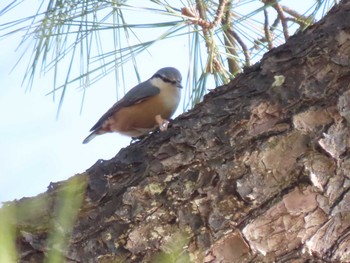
(90, 137)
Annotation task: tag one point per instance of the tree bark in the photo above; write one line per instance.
(257, 172)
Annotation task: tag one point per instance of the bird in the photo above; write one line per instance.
(146, 106)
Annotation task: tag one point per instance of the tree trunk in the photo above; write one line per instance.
(257, 172)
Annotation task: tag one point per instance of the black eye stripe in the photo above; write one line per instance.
(164, 78)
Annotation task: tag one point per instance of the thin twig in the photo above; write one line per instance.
(215, 63)
(258, 41)
(275, 24)
(295, 14)
(301, 20)
(201, 18)
(301, 23)
(219, 13)
(230, 43)
(242, 44)
(267, 30)
(281, 15)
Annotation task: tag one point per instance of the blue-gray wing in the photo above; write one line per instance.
(137, 94)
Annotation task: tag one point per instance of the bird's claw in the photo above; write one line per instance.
(164, 126)
(162, 123)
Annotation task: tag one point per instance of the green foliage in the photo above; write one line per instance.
(223, 37)
(33, 216)
(174, 250)
(68, 203)
(8, 234)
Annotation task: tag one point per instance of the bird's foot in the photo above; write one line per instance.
(139, 138)
(162, 123)
(135, 139)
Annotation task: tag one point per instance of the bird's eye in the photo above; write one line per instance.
(165, 79)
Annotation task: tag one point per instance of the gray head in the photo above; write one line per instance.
(169, 74)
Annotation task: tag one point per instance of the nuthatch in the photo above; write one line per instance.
(146, 106)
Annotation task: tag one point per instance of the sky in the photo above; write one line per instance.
(35, 147)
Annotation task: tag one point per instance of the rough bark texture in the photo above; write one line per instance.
(257, 172)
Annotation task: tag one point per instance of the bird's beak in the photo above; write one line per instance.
(179, 85)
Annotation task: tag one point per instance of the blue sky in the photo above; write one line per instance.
(35, 148)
